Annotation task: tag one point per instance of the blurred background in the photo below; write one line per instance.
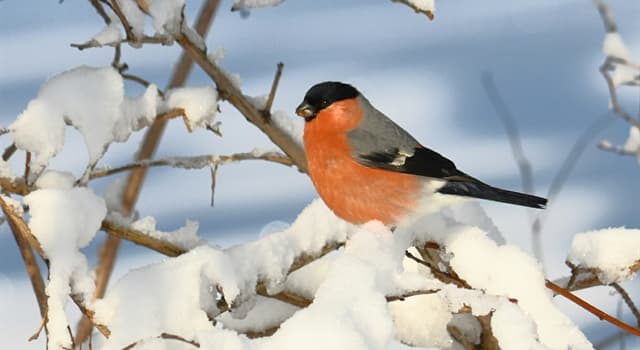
(426, 75)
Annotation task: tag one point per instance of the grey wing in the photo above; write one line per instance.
(378, 142)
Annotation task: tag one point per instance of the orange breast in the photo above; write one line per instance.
(354, 192)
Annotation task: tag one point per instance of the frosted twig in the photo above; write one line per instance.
(274, 88)
(610, 62)
(524, 165)
(458, 336)
(123, 19)
(163, 40)
(586, 277)
(163, 336)
(605, 68)
(444, 277)
(592, 309)
(607, 146)
(197, 162)
(142, 239)
(627, 299)
(416, 8)
(4, 131)
(228, 91)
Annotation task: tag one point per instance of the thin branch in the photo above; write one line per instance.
(608, 147)
(100, 9)
(416, 8)
(214, 177)
(123, 19)
(36, 334)
(444, 277)
(109, 249)
(524, 165)
(163, 40)
(274, 88)
(605, 68)
(592, 309)
(163, 336)
(230, 92)
(142, 239)
(25, 241)
(627, 299)
(89, 314)
(197, 162)
(9, 151)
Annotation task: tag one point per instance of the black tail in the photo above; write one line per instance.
(470, 187)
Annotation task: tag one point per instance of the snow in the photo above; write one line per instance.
(507, 271)
(200, 104)
(614, 46)
(291, 126)
(266, 314)
(134, 16)
(64, 220)
(610, 251)
(633, 141)
(167, 16)
(185, 237)
(110, 34)
(171, 297)
(424, 5)
(90, 99)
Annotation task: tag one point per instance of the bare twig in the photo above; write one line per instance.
(142, 239)
(274, 88)
(229, 92)
(197, 162)
(27, 166)
(605, 68)
(415, 8)
(9, 151)
(592, 309)
(444, 277)
(524, 166)
(214, 177)
(36, 334)
(627, 299)
(98, 6)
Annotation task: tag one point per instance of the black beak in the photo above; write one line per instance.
(306, 111)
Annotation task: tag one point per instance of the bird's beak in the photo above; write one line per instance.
(305, 111)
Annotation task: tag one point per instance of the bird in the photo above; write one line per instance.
(366, 167)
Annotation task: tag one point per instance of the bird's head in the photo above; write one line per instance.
(323, 95)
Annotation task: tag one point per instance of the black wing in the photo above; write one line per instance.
(426, 162)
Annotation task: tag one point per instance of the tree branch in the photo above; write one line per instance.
(592, 309)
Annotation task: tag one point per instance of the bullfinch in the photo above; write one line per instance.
(365, 167)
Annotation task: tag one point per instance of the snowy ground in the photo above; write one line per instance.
(426, 75)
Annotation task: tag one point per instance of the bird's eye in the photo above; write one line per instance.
(324, 103)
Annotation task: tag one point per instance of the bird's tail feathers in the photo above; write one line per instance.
(470, 187)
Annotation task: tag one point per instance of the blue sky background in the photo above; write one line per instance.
(544, 57)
